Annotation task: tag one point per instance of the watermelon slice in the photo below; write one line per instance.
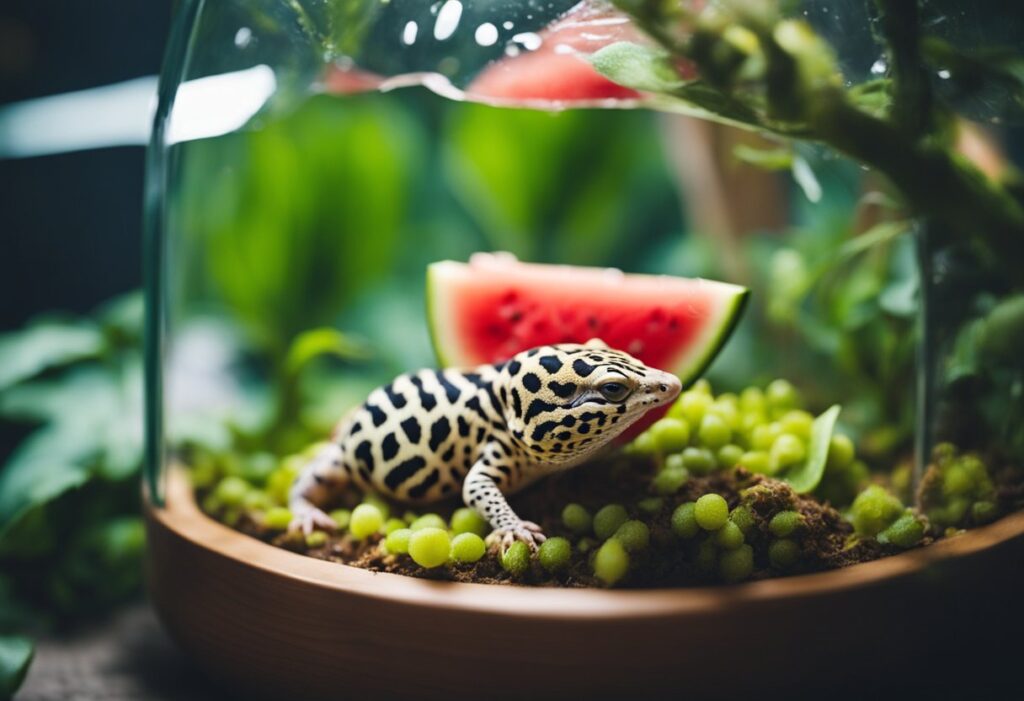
(556, 71)
(493, 307)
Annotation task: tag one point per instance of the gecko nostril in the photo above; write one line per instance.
(664, 388)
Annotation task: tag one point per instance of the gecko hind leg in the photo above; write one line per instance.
(322, 479)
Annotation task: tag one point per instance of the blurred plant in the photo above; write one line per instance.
(550, 186)
(70, 531)
(294, 219)
(761, 69)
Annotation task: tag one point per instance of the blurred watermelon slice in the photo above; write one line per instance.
(493, 307)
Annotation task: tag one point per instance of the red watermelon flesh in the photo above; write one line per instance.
(494, 307)
(557, 71)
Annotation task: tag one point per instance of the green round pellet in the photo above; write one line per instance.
(729, 455)
(711, 512)
(670, 480)
(743, 517)
(397, 541)
(729, 536)
(784, 523)
(366, 520)
(256, 500)
(341, 518)
(707, 556)
(428, 521)
(714, 432)
(787, 450)
(410, 516)
(316, 539)
(644, 444)
(726, 410)
(756, 461)
(429, 547)
(516, 560)
(635, 536)
(392, 525)
(467, 520)
(703, 386)
(905, 532)
(611, 563)
(783, 553)
(650, 505)
(467, 547)
(780, 394)
(376, 500)
(736, 565)
(752, 400)
(797, 422)
(693, 404)
(585, 545)
(956, 481)
(608, 520)
(230, 491)
(699, 461)
(577, 519)
(984, 512)
(277, 518)
(671, 435)
(211, 504)
(875, 509)
(840, 452)
(684, 520)
(554, 554)
(763, 436)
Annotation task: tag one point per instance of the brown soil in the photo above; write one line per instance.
(825, 537)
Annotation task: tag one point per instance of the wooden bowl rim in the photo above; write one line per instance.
(182, 516)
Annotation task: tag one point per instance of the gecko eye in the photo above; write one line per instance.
(614, 391)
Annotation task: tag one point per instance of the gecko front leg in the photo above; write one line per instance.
(482, 491)
(320, 480)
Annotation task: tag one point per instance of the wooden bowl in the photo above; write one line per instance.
(284, 625)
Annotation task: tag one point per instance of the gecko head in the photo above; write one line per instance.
(570, 399)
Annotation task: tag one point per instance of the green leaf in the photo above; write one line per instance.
(637, 66)
(15, 657)
(767, 159)
(43, 345)
(316, 343)
(806, 477)
(47, 464)
(296, 219)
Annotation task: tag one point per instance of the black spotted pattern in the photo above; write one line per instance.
(412, 429)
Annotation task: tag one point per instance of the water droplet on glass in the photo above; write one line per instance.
(879, 67)
(243, 37)
(944, 74)
(409, 33)
(486, 34)
(529, 40)
(447, 19)
(508, 24)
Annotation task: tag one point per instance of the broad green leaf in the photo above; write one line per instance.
(804, 478)
(650, 71)
(316, 343)
(44, 345)
(15, 657)
(48, 463)
(294, 220)
(637, 66)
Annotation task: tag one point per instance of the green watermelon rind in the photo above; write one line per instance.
(728, 322)
(688, 372)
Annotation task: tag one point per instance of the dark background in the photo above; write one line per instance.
(71, 223)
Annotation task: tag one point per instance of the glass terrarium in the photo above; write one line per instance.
(345, 192)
